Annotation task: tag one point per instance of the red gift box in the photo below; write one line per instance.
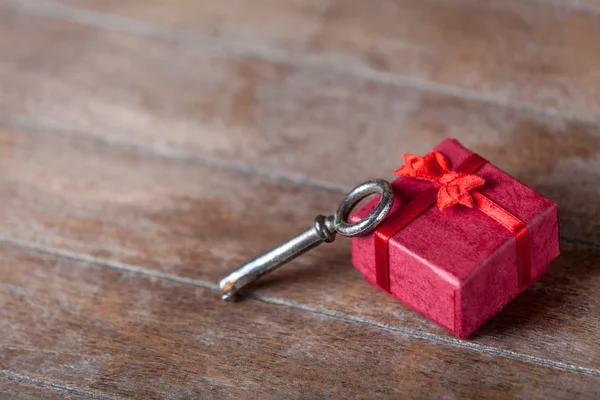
(462, 240)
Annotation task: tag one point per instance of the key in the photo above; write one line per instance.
(324, 230)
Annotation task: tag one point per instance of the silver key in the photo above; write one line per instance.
(323, 231)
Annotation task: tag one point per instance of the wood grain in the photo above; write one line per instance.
(584, 5)
(511, 52)
(127, 335)
(14, 390)
(119, 204)
(202, 102)
(147, 148)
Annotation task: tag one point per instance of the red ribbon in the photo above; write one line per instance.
(449, 189)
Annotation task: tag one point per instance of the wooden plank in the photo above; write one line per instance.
(511, 52)
(199, 101)
(190, 221)
(584, 5)
(15, 390)
(128, 335)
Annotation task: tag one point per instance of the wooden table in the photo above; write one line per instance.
(149, 147)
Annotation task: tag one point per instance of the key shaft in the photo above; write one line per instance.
(322, 232)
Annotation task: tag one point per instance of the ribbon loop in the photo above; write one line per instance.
(455, 187)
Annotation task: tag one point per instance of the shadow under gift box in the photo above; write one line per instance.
(459, 267)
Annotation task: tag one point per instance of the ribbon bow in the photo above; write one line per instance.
(455, 187)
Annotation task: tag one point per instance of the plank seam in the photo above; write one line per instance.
(134, 27)
(55, 386)
(580, 242)
(173, 154)
(483, 349)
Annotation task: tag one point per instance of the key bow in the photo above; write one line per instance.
(455, 187)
